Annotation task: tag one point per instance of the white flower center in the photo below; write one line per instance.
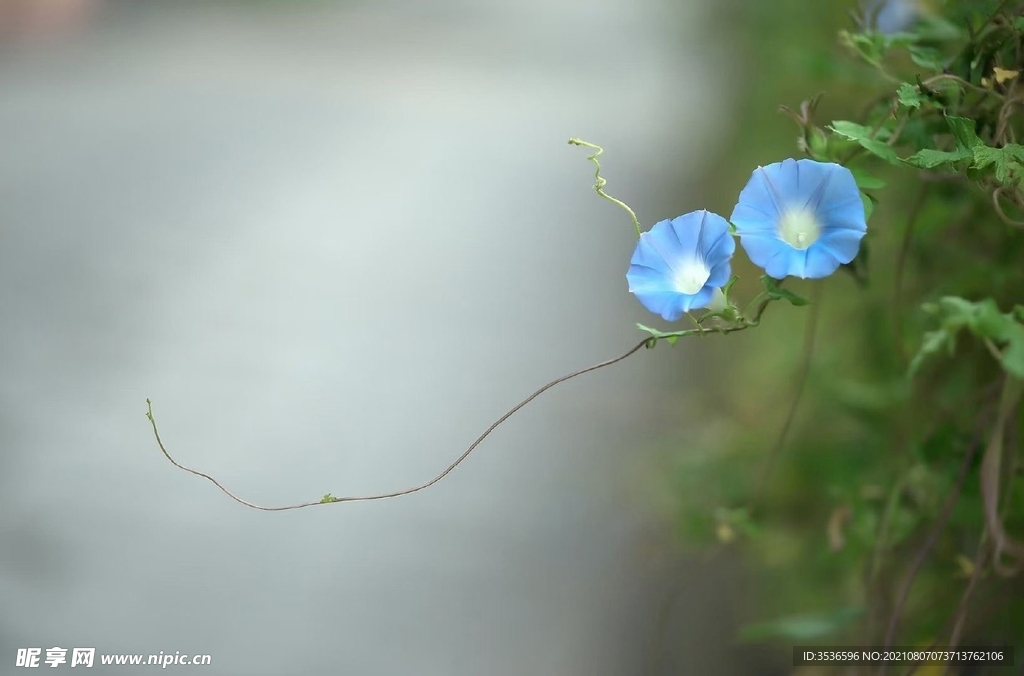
(691, 277)
(799, 228)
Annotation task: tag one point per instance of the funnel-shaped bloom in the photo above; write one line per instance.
(679, 264)
(801, 218)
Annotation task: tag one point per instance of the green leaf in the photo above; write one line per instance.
(1014, 150)
(879, 149)
(909, 96)
(871, 50)
(984, 320)
(952, 306)
(927, 57)
(963, 130)
(988, 322)
(817, 144)
(967, 142)
(801, 627)
(867, 139)
(776, 292)
(867, 181)
(929, 159)
(933, 343)
(1013, 357)
(986, 156)
(869, 204)
(671, 336)
(935, 28)
(1004, 162)
(850, 130)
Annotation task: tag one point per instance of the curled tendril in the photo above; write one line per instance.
(599, 181)
(997, 205)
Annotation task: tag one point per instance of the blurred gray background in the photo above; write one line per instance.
(333, 242)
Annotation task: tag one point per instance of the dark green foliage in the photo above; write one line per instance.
(877, 484)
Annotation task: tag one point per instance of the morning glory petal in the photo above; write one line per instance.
(818, 263)
(678, 264)
(800, 218)
(669, 304)
(648, 255)
(842, 243)
(702, 298)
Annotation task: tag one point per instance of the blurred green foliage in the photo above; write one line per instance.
(872, 513)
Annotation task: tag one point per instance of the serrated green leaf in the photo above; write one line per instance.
(801, 627)
(1014, 151)
(963, 130)
(929, 159)
(1003, 163)
(776, 292)
(985, 156)
(863, 136)
(909, 96)
(1010, 174)
(879, 149)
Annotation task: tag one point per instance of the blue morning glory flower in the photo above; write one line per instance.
(891, 16)
(680, 264)
(801, 218)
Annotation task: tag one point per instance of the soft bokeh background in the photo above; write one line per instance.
(868, 463)
(333, 242)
